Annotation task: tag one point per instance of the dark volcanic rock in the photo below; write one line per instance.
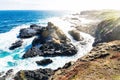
(44, 62)
(27, 33)
(16, 44)
(51, 42)
(51, 49)
(38, 41)
(36, 28)
(32, 52)
(67, 65)
(39, 74)
(76, 35)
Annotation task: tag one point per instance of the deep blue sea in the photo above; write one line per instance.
(13, 18)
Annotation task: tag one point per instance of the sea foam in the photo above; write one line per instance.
(14, 61)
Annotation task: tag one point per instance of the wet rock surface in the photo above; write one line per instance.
(39, 74)
(16, 44)
(44, 62)
(51, 42)
(51, 49)
(27, 33)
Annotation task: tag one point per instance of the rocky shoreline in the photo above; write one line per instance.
(101, 63)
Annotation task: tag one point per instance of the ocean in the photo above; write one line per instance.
(10, 24)
(13, 18)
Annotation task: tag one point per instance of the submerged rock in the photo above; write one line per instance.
(16, 44)
(39, 74)
(44, 62)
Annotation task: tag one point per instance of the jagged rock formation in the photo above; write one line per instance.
(51, 42)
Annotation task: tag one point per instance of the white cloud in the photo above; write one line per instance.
(60, 4)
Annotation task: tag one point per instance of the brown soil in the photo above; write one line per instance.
(105, 66)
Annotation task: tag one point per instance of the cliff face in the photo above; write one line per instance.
(104, 25)
(108, 27)
(108, 30)
(102, 63)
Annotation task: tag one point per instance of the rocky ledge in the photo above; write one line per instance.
(40, 74)
(101, 63)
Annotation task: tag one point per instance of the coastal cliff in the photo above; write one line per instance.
(100, 63)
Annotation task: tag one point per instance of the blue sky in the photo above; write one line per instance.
(58, 4)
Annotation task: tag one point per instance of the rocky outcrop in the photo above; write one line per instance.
(51, 42)
(16, 44)
(31, 31)
(27, 33)
(107, 30)
(76, 35)
(67, 65)
(94, 66)
(36, 27)
(51, 49)
(39, 74)
(32, 52)
(44, 62)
